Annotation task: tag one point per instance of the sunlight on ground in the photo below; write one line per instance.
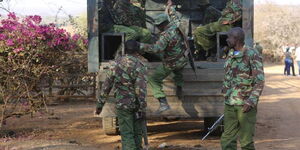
(280, 87)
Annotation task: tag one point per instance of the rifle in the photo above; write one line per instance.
(214, 126)
(142, 115)
(188, 53)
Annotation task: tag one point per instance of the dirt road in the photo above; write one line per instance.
(74, 127)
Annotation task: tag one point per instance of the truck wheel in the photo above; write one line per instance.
(110, 125)
(208, 122)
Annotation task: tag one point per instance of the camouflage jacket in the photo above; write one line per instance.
(170, 44)
(128, 77)
(232, 12)
(125, 13)
(120, 12)
(244, 77)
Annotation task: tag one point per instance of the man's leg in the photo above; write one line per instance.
(130, 33)
(138, 133)
(205, 36)
(231, 128)
(285, 68)
(293, 68)
(143, 34)
(126, 124)
(288, 69)
(247, 128)
(156, 83)
(298, 62)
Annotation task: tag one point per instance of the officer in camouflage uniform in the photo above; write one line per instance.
(243, 84)
(122, 16)
(205, 36)
(171, 46)
(128, 77)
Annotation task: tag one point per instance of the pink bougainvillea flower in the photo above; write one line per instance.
(76, 37)
(17, 50)
(9, 42)
(2, 37)
(12, 15)
(37, 19)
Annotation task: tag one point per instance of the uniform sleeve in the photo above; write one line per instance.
(141, 86)
(106, 86)
(173, 17)
(159, 46)
(258, 78)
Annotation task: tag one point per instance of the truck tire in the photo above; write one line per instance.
(208, 122)
(110, 125)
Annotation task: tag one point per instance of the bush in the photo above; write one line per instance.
(31, 53)
(276, 26)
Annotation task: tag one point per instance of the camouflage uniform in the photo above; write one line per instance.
(205, 36)
(122, 16)
(243, 83)
(171, 46)
(128, 77)
(139, 3)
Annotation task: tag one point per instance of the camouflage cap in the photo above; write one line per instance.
(203, 2)
(160, 19)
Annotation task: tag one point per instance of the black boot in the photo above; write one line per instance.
(179, 92)
(163, 105)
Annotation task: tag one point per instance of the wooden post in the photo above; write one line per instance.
(248, 19)
(93, 36)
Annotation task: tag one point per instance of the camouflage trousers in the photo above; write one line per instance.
(238, 124)
(160, 73)
(140, 34)
(130, 129)
(205, 36)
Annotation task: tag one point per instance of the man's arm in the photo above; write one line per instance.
(171, 12)
(105, 90)
(141, 87)
(159, 46)
(258, 79)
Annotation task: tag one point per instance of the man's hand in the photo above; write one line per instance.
(248, 106)
(169, 4)
(225, 22)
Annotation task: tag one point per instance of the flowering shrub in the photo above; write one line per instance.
(31, 53)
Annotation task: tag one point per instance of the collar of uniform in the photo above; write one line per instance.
(239, 55)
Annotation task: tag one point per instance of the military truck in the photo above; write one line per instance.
(202, 96)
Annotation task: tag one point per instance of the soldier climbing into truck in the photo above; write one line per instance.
(172, 48)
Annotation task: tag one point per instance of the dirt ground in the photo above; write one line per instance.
(73, 125)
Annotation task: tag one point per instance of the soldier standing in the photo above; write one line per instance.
(243, 84)
(171, 46)
(205, 36)
(128, 77)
